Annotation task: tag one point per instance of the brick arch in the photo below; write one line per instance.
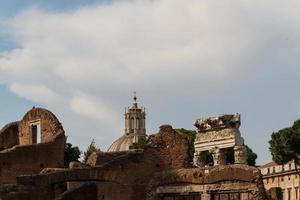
(69, 175)
(50, 125)
(111, 171)
(44, 183)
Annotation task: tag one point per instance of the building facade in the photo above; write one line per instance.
(282, 176)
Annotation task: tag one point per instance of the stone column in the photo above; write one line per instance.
(219, 156)
(239, 155)
(205, 196)
(198, 160)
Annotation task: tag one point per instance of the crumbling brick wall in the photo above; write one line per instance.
(167, 150)
(140, 173)
(50, 126)
(9, 135)
(30, 158)
(100, 158)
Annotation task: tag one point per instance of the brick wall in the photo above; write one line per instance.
(28, 158)
(167, 150)
(84, 192)
(49, 124)
(9, 135)
(31, 159)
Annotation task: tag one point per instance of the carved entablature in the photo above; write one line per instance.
(217, 123)
(216, 136)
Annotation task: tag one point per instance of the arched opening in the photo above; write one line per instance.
(137, 123)
(92, 190)
(132, 123)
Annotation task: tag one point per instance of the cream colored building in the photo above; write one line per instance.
(283, 176)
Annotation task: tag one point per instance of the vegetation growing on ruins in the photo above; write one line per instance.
(141, 143)
(72, 153)
(285, 144)
(91, 149)
(191, 135)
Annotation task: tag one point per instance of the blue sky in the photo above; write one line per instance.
(186, 60)
(12, 7)
(12, 106)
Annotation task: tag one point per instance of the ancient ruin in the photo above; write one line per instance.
(30, 145)
(159, 171)
(217, 136)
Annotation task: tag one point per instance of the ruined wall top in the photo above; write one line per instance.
(217, 123)
(50, 126)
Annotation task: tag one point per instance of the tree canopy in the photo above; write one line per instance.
(285, 144)
(140, 144)
(72, 153)
(250, 156)
(91, 149)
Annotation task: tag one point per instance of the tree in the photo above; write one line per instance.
(140, 144)
(71, 153)
(250, 156)
(285, 145)
(91, 149)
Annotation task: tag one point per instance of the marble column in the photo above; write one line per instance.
(239, 155)
(198, 159)
(219, 156)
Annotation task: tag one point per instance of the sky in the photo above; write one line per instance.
(185, 59)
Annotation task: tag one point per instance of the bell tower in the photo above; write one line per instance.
(135, 121)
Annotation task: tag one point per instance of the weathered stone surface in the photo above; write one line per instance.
(216, 136)
(224, 138)
(28, 158)
(161, 168)
(225, 179)
(9, 135)
(219, 122)
(131, 171)
(219, 156)
(239, 155)
(50, 126)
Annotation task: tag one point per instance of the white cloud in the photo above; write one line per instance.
(96, 110)
(87, 62)
(37, 93)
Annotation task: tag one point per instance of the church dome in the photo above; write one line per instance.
(135, 128)
(121, 144)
